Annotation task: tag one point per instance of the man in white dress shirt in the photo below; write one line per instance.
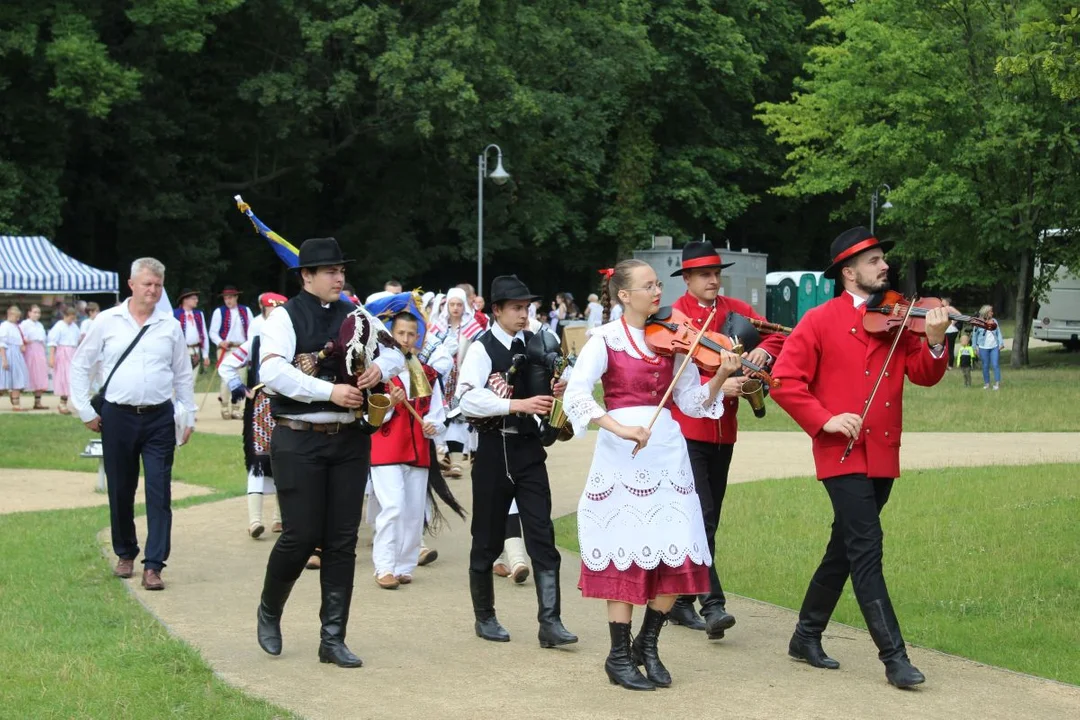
(230, 327)
(137, 414)
(319, 454)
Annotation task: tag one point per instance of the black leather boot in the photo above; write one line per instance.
(335, 619)
(805, 643)
(549, 601)
(645, 650)
(714, 612)
(683, 613)
(619, 665)
(482, 588)
(885, 629)
(268, 616)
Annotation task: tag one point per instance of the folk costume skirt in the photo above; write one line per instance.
(36, 367)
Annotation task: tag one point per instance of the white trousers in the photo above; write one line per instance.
(262, 484)
(401, 491)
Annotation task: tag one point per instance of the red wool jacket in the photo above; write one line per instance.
(725, 430)
(400, 440)
(829, 366)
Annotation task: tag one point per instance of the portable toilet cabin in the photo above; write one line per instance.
(782, 306)
(825, 288)
(807, 297)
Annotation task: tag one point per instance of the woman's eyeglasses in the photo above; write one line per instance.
(650, 288)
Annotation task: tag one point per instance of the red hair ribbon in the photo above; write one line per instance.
(607, 273)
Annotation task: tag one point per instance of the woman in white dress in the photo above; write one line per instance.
(640, 526)
(14, 377)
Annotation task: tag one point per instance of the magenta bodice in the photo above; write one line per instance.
(630, 382)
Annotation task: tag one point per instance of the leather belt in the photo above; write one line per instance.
(142, 409)
(329, 428)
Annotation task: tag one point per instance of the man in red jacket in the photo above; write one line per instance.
(827, 372)
(710, 442)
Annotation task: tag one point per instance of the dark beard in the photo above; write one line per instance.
(871, 289)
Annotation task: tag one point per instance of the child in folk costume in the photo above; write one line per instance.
(62, 340)
(37, 367)
(401, 461)
(456, 328)
(258, 423)
(14, 377)
(640, 525)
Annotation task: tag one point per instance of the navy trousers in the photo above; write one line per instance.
(125, 437)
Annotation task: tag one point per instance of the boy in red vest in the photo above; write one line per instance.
(400, 463)
(711, 442)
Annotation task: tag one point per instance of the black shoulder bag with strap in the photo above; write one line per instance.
(98, 399)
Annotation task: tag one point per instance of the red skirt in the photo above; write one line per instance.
(638, 586)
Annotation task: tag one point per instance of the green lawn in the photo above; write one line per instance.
(73, 642)
(980, 562)
(1038, 398)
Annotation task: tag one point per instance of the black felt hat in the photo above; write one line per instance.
(186, 292)
(850, 243)
(508, 287)
(319, 252)
(700, 254)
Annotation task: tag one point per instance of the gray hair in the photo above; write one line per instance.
(154, 266)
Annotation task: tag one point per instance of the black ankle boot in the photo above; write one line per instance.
(683, 613)
(482, 588)
(885, 629)
(619, 665)
(805, 643)
(645, 650)
(335, 619)
(268, 616)
(548, 599)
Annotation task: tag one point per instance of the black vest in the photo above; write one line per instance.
(314, 326)
(501, 362)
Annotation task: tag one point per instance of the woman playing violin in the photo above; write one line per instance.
(640, 526)
(828, 370)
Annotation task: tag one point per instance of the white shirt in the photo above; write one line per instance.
(236, 327)
(616, 312)
(256, 324)
(33, 331)
(64, 334)
(476, 399)
(156, 371)
(84, 327)
(276, 351)
(595, 314)
(191, 332)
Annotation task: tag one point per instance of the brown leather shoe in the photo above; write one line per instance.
(125, 568)
(501, 570)
(427, 556)
(151, 580)
(387, 582)
(404, 579)
(276, 527)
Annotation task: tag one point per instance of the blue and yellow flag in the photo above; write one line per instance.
(284, 249)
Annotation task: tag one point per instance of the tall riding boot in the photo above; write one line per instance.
(885, 629)
(817, 608)
(334, 614)
(645, 648)
(271, 605)
(683, 613)
(482, 589)
(255, 524)
(549, 602)
(619, 665)
(518, 559)
(714, 611)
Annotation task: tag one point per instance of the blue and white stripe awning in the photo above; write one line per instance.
(33, 264)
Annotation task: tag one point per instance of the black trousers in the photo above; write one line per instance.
(125, 437)
(506, 468)
(320, 482)
(855, 546)
(710, 463)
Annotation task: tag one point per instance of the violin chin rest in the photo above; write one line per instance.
(663, 313)
(875, 299)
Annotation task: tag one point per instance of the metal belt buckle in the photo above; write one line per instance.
(336, 428)
(142, 409)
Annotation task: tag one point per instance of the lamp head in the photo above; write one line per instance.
(887, 206)
(499, 176)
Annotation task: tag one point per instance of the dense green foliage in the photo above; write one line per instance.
(129, 127)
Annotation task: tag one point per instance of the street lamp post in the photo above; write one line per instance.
(499, 176)
(874, 203)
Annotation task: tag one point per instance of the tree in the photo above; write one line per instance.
(981, 163)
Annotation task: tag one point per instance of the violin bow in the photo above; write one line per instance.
(881, 374)
(682, 368)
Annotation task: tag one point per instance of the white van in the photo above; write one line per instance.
(1059, 316)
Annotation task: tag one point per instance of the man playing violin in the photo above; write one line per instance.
(710, 442)
(828, 371)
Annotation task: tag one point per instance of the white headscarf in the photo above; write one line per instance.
(444, 313)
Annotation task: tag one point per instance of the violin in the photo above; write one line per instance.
(885, 312)
(670, 331)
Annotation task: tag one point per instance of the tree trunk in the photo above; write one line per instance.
(1024, 285)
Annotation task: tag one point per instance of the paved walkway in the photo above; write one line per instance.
(423, 661)
(29, 490)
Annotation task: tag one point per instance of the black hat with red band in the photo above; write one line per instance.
(700, 254)
(849, 244)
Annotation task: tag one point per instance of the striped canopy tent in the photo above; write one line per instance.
(33, 264)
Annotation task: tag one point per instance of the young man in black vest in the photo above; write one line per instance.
(509, 464)
(320, 457)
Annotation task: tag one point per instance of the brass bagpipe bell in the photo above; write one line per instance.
(419, 387)
(745, 337)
